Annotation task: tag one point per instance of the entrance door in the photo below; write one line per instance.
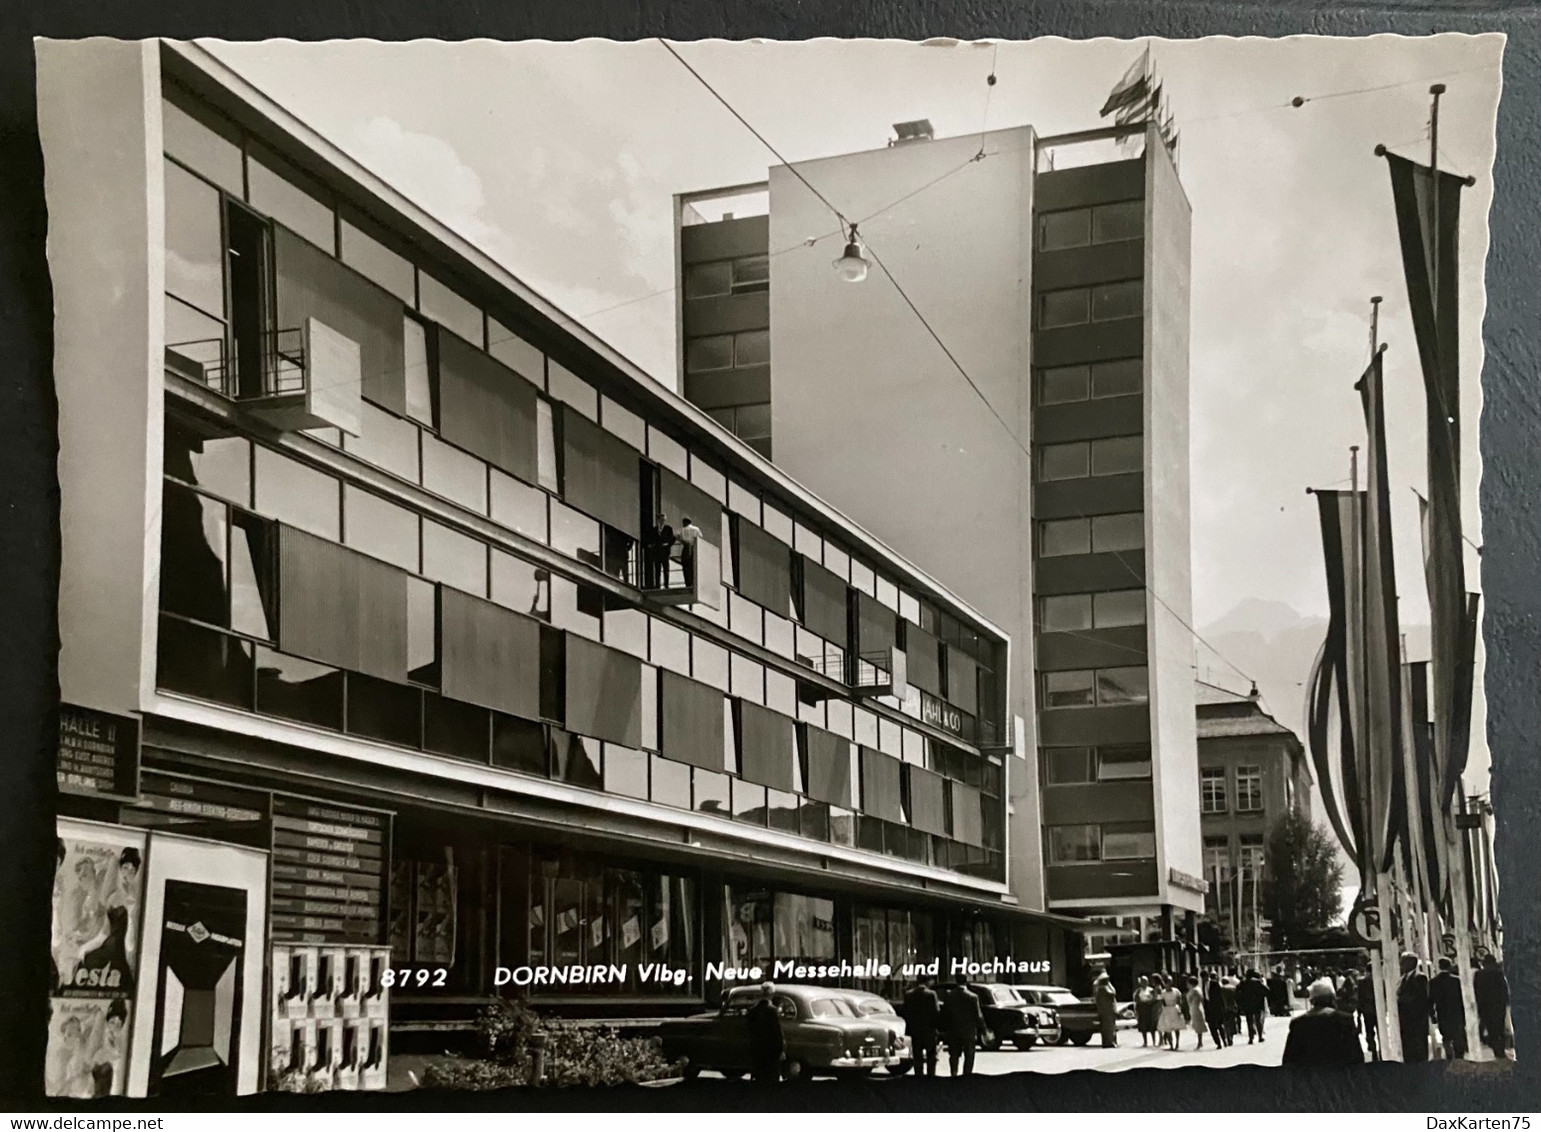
(198, 1002)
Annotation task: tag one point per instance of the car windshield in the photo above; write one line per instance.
(1061, 998)
(830, 1007)
(1006, 996)
(868, 1006)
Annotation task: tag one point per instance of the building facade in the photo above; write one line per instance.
(1252, 771)
(385, 692)
(1052, 275)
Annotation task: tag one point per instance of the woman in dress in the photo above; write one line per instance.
(1196, 1010)
(1169, 1022)
(1146, 1008)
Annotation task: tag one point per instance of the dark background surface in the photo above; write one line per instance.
(1511, 489)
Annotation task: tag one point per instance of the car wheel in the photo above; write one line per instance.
(690, 1070)
(991, 1042)
(1025, 1041)
(1063, 1039)
(900, 1069)
(732, 1074)
(795, 1070)
(1080, 1039)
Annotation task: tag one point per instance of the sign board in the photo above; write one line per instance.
(1447, 945)
(98, 754)
(1187, 880)
(939, 713)
(1364, 922)
(1468, 821)
(328, 871)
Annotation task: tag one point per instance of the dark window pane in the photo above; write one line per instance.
(751, 348)
(1117, 455)
(702, 354)
(423, 632)
(711, 792)
(1115, 763)
(1065, 383)
(193, 555)
(1117, 300)
(1118, 532)
(575, 759)
(1122, 221)
(194, 243)
(1065, 613)
(815, 819)
(453, 728)
(1064, 536)
(751, 273)
(1118, 379)
(869, 834)
(753, 422)
(1063, 461)
(842, 826)
(782, 807)
(1123, 685)
(378, 709)
(748, 802)
(518, 744)
(219, 465)
(1063, 308)
(1072, 843)
(1064, 766)
(671, 783)
(1118, 607)
(298, 689)
(253, 576)
(1068, 229)
(1067, 689)
(625, 771)
(703, 280)
(203, 663)
(298, 495)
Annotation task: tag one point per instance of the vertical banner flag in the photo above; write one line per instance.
(1381, 739)
(1329, 710)
(1428, 206)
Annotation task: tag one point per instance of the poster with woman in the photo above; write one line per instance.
(87, 1047)
(97, 894)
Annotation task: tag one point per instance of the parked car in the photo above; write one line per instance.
(823, 1033)
(1010, 1018)
(876, 1007)
(1077, 1016)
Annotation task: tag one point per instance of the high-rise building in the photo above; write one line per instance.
(381, 672)
(1004, 398)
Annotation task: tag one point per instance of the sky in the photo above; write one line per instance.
(562, 160)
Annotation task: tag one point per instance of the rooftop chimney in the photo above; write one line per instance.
(916, 131)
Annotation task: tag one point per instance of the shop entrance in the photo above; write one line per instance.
(198, 1003)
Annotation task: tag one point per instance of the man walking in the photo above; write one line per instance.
(766, 1044)
(1278, 994)
(963, 1020)
(1448, 1011)
(1323, 1037)
(1106, 999)
(1252, 1000)
(1413, 1010)
(922, 1012)
(1491, 989)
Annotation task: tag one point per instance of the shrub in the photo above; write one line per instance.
(470, 1073)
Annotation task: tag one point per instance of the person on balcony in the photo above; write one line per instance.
(689, 537)
(660, 546)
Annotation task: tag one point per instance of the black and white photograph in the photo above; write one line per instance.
(764, 564)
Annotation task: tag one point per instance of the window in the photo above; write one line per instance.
(298, 495)
(703, 355)
(1063, 384)
(1068, 689)
(1065, 613)
(299, 689)
(1123, 685)
(1253, 856)
(1072, 844)
(1117, 455)
(1070, 228)
(1117, 379)
(1217, 861)
(449, 309)
(521, 586)
(219, 465)
(1122, 221)
(519, 506)
(420, 370)
(376, 262)
(751, 348)
(456, 475)
(1117, 300)
(385, 441)
(1212, 790)
(1112, 533)
(670, 782)
(1064, 461)
(1064, 536)
(704, 280)
(1249, 789)
(570, 389)
(546, 448)
(455, 559)
(1063, 308)
(422, 632)
(380, 529)
(1125, 843)
(1068, 766)
(751, 273)
(1118, 607)
(1116, 764)
(278, 195)
(204, 147)
(194, 244)
(625, 771)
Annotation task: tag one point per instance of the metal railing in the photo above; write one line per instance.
(210, 362)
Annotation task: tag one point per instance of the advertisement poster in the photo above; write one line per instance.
(98, 884)
(87, 1047)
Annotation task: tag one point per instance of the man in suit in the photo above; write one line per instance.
(1323, 1037)
(766, 1043)
(1491, 989)
(1106, 999)
(963, 1020)
(1252, 1001)
(1413, 1009)
(922, 1013)
(1448, 1010)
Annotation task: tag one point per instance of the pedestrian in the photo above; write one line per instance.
(1196, 1017)
(922, 1012)
(1106, 999)
(1323, 1037)
(766, 1043)
(1348, 998)
(1214, 1007)
(1230, 1021)
(690, 537)
(1252, 1001)
(1369, 1014)
(1413, 1009)
(1491, 989)
(1447, 1010)
(962, 1021)
(1169, 1023)
(1278, 994)
(659, 548)
(1147, 1007)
